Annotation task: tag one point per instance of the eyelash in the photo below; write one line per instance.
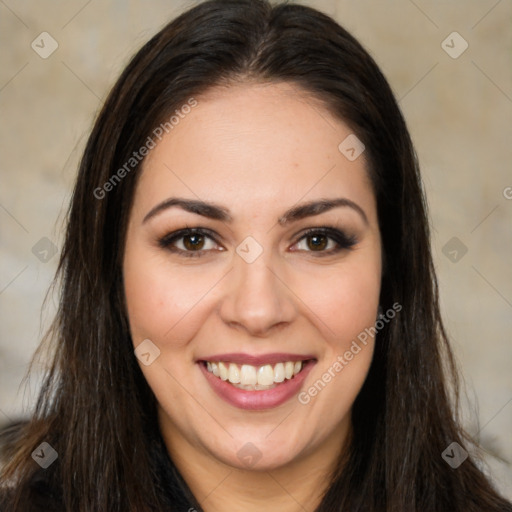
(342, 240)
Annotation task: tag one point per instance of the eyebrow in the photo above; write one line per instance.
(217, 212)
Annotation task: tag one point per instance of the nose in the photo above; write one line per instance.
(257, 300)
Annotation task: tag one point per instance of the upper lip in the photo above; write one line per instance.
(241, 358)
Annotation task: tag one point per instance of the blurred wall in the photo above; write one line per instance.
(449, 64)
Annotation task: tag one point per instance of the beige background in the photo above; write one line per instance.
(459, 112)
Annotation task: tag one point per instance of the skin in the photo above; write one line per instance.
(257, 150)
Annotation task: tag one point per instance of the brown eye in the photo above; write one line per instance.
(189, 242)
(317, 242)
(193, 242)
(325, 241)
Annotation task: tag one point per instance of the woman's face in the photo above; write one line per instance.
(267, 286)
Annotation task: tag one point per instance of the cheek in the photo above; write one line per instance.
(164, 303)
(344, 299)
(345, 304)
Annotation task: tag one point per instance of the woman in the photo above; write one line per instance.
(249, 315)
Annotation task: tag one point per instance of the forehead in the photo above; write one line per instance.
(253, 145)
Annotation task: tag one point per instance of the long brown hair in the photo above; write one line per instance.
(95, 407)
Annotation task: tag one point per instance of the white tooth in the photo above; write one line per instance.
(256, 387)
(248, 375)
(288, 369)
(223, 371)
(297, 367)
(279, 372)
(215, 370)
(260, 387)
(233, 374)
(209, 366)
(265, 375)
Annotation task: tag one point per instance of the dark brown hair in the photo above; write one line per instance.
(95, 407)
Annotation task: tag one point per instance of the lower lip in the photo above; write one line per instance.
(257, 400)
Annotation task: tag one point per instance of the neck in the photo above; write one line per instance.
(218, 487)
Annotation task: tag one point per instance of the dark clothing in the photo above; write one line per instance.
(43, 495)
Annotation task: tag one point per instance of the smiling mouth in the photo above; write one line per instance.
(255, 378)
